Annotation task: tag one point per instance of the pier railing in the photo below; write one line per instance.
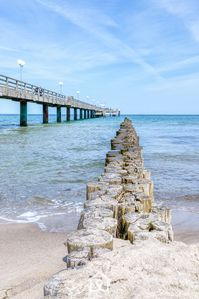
(24, 92)
(14, 88)
(18, 90)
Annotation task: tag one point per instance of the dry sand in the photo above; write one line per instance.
(28, 257)
(148, 270)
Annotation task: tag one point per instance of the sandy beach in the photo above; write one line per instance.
(28, 258)
(186, 226)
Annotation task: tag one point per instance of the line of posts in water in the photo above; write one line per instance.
(83, 113)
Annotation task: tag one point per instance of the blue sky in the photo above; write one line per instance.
(139, 55)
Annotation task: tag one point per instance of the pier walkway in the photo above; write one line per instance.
(24, 92)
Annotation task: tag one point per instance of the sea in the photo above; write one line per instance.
(44, 168)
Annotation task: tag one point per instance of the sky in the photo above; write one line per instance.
(141, 56)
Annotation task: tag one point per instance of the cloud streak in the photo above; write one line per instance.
(186, 11)
(97, 24)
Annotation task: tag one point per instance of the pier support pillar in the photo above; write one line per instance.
(84, 113)
(23, 113)
(81, 113)
(87, 112)
(58, 114)
(75, 113)
(67, 113)
(45, 114)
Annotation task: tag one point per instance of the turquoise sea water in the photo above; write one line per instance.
(44, 168)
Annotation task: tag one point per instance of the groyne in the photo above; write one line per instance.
(120, 205)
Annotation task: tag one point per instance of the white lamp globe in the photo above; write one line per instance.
(21, 62)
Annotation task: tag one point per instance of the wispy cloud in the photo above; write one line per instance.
(179, 64)
(181, 82)
(186, 11)
(98, 24)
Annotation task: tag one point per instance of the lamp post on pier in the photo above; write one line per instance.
(61, 87)
(78, 92)
(21, 64)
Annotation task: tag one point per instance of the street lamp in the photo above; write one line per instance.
(61, 86)
(21, 64)
(78, 92)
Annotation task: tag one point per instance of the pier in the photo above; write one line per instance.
(23, 92)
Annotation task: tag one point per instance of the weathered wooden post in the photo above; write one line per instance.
(45, 114)
(58, 114)
(84, 113)
(23, 113)
(75, 113)
(67, 113)
(81, 112)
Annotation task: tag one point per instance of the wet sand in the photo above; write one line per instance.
(186, 226)
(28, 258)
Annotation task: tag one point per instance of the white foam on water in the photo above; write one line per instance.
(12, 220)
(27, 214)
(42, 226)
(30, 217)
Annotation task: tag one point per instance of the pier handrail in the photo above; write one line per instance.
(21, 85)
(9, 83)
